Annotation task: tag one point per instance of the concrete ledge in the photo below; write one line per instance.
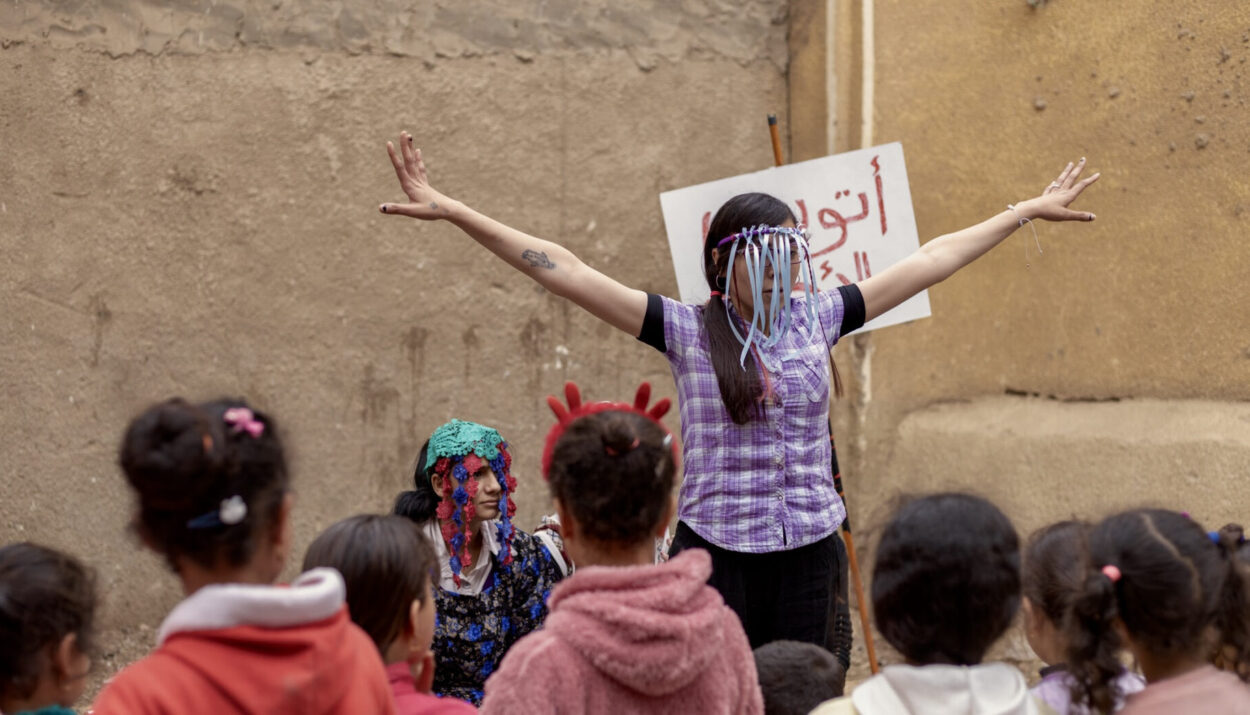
(1043, 460)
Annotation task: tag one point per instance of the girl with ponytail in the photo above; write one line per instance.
(492, 578)
(213, 497)
(1159, 586)
(752, 369)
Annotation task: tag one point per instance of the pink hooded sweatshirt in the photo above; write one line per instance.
(636, 639)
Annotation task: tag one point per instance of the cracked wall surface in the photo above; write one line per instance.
(188, 206)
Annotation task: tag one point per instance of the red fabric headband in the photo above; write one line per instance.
(565, 415)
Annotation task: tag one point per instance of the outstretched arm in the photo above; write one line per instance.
(551, 265)
(938, 259)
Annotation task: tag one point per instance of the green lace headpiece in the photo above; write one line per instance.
(459, 438)
(456, 452)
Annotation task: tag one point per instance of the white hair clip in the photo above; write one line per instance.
(231, 512)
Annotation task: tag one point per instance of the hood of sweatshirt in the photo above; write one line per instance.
(989, 689)
(240, 639)
(654, 629)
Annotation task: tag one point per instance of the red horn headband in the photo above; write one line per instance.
(565, 415)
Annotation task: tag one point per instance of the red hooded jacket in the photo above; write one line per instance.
(268, 650)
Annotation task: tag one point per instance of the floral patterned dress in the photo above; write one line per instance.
(473, 632)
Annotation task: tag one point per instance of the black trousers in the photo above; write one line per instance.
(799, 594)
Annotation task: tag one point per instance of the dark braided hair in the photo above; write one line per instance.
(184, 460)
(1174, 585)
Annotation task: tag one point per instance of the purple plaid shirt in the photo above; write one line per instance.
(766, 485)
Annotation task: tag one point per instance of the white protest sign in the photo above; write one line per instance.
(857, 206)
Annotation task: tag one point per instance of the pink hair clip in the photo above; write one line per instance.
(244, 420)
(1111, 572)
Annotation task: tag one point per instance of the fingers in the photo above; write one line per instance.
(1088, 180)
(409, 210)
(1075, 174)
(397, 163)
(1063, 175)
(410, 159)
(420, 167)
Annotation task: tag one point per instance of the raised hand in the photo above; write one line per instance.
(1053, 204)
(424, 201)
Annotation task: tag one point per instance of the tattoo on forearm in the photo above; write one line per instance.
(434, 205)
(537, 259)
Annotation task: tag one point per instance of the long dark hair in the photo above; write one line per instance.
(1173, 585)
(420, 502)
(740, 386)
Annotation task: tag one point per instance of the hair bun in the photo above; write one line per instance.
(418, 506)
(619, 438)
(162, 448)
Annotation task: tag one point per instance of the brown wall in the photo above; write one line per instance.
(1114, 371)
(188, 204)
(1149, 301)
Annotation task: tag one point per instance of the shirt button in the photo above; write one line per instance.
(777, 460)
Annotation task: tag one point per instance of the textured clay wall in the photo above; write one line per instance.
(1146, 306)
(1115, 371)
(188, 199)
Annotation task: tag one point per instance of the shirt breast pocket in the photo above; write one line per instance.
(814, 373)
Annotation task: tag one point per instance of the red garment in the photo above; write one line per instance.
(410, 702)
(1206, 690)
(257, 649)
(636, 639)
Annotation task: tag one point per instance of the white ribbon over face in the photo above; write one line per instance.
(764, 246)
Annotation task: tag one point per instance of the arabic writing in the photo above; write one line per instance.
(829, 218)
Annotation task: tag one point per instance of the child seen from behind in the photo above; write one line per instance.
(388, 567)
(945, 586)
(1053, 574)
(624, 635)
(214, 499)
(1158, 584)
(47, 606)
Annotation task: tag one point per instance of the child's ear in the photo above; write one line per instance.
(410, 628)
(1033, 616)
(70, 666)
(64, 654)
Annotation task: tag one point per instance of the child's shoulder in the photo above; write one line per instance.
(529, 669)
(149, 685)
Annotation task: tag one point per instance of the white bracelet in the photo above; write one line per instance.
(1020, 221)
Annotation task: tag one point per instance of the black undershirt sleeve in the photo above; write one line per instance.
(653, 323)
(852, 308)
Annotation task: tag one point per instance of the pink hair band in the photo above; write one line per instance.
(244, 420)
(1111, 572)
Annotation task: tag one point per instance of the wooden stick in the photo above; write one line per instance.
(772, 130)
(856, 578)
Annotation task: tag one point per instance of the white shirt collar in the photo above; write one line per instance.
(472, 579)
